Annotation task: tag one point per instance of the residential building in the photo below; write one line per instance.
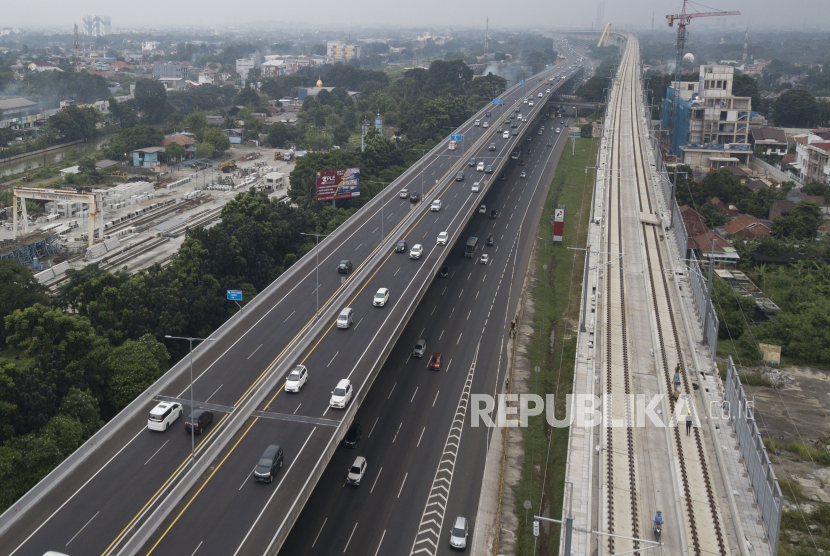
(754, 185)
(747, 227)
(149, 157)
(773, 141)
(710, 244)
(812, 162)
(170, 70)
(780, 208)
(173, 83)
(340, 51)
(149, 46)
(185, 140)
(244, 65)
(695, 223)
(728, 210)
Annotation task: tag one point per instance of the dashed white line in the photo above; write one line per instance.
(403, 483)
(420, 437)
(157, 451)
(90, 521)
(381, 542)
(413, 395)
(289, 316)
(442, 334)
(445, 289)
(459, 338)
(350, 538)
(197, 548)
(318, 534)
(332, 360)
(376, 422)
(448, 366)
(390, 392)
(358, 247)
(296, 410)
(433, 310)
(358, 324)
(396, 272)
(253, 352)
(435, 400)
(476, 297)
(214, 393)
(246, 479)
(461, 292)
(468, 314)
(468, 277)
(376, 480)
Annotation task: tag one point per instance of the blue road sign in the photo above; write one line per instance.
(456, 137)
(531, 73)
(522, 82)
(497, 101)
(235, 295)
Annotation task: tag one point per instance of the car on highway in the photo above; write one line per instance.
(344, 267)
(493, 214)
(514, 125)
(480, 167)
(478, 122)
(401, 246)
(549, 144)
(547, 91)
(476, 187)
(539, 132)
(356, 471)
(524, 120)
(435, 362)
(562, 122)
(458, 533)
(487, 114)
(164, 415)
(443, 237)
(297, 378)
(414, 197)
(505, 135)
(524, 101)
(381, 297)
(530, 103)
(435, 206)
(416, 251)
(484, 259)
(268, 464)
(198, 420)
(345, 318)
(522, 162)
(540, 94)
(403, 194)
(482, 209)
(354, 434)
(341, 395)
(515, 132)
(419, 348)
(490, 240)
(519, 117)
(492, 146)
(472, 162)
(523, 175)
(444, 272)
(485, 125)
(459, 176)
(488, 169)
(499, 129)
(558, 130)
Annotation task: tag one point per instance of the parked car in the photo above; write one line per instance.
(269, 463)
(341, 395)
(344, 267)
(356, 471)
(198, 420)
(419, 348)
(354, 434)
(164, 415)
(436, 361)
(296, 379)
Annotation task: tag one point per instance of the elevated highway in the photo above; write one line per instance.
(129, 490)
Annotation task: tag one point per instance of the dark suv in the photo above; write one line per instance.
(400, 247)
(352, 436)
(269, 464)
(344, 267)
(493, 213)
(198, 420)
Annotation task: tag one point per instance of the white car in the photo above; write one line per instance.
(356, 471)
(557, 130)
(524, 101)
(547, 92)
(443, 237)
(458, 533)
(484, 259)
(523, 175)
(342, 394)
(505, 135)
(435, 206)
(540, 94)
(381, 297)
(485, 124)
(296, 379)
(476, 187)
(482, 209)
(416, 251)
(403, 194)
(530, 103)
(480, 167)
(164, 415)
(478, 122)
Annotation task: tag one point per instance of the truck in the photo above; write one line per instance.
(452, 145)
(472, 245)
(228, 166)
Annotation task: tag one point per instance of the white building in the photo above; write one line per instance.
(244, 65)
(149, 46)
(812, 161)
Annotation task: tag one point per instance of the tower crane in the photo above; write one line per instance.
(683, 19)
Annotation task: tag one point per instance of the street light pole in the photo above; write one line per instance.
(192, 428)
(317, 269)
(382, 202)
(423, 155)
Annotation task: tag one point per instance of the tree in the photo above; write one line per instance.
(136, 137)
(132, 367)
(801, 223)
(20, 290)
(87, 164)
(122, 114)
(795, 108)
(586, 130)
(174, 151)
(196, 123)
(746, 86)
(204, 150)
(247, 97)
(151, 99)
(215, 137)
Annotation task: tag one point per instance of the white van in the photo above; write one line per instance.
(480, 167)
(478, 122)
(505, 135)
(346, 318)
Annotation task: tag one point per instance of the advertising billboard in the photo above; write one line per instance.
(338, 184)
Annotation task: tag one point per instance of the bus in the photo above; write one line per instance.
(472, 244)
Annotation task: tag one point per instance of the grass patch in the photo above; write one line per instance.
(791, 490)
(771, 444)
(550, 293)
(755, 379)
(722, 371)
(805, 453)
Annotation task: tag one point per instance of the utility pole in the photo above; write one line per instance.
(746, 41)
(487, 39)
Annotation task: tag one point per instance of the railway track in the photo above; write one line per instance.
(623, 498)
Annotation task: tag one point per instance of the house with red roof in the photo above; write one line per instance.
(747, 227)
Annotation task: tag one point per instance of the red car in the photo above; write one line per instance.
(435, 362)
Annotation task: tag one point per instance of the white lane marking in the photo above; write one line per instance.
(448, 366)
(358, 247)
(157, 451)
(318, 534)
(289, 316)
(396, 272)
(461, 292)
(296, 410)
(468, 314)
(421, 335)
(381, 542)
(358, 323)
(476, 297)
(350, 538)
(373, 428)
(276, 490)
(436, 398)
(397, 432)
(84, 527)
(459, 338)
(393, 389)
(413, 395)
(45, 521)
(497, 247)
(433, 310)
(468, 277)
(332, 360)
(445, 289)
(441, 336)
(246, 479)
(214, 393)
(485, 277)
(403, 483)
(197, 548)
(376, 480)
(375, 230)
(253, 352)
(420, 437)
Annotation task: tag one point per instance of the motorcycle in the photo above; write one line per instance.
(658, 530)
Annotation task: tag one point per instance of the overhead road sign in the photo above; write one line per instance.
(235, 295)
(456, 137)
(497, 101)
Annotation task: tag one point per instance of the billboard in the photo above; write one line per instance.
(338, 184)
(558, 224)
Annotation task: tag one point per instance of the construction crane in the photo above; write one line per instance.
(683, 19)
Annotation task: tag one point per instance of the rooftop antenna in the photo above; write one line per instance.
(76, 48)
(746, 41)
(487, 38)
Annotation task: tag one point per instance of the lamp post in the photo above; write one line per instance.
(382, 202)
(317, 269)
(423, 156)
(192, 428)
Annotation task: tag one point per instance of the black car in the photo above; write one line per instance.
(344, 267)
(419, 348)
(198, 420)
(493, 213)
(513, 125)
(472, 162)
(490, 240)
(444, 272)
(414, 197)
(268, 464)
(352, 436)
(487, 114)
(400, 247)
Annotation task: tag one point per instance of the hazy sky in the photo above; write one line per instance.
(351, 14)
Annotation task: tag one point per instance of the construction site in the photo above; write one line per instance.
(131, 225)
